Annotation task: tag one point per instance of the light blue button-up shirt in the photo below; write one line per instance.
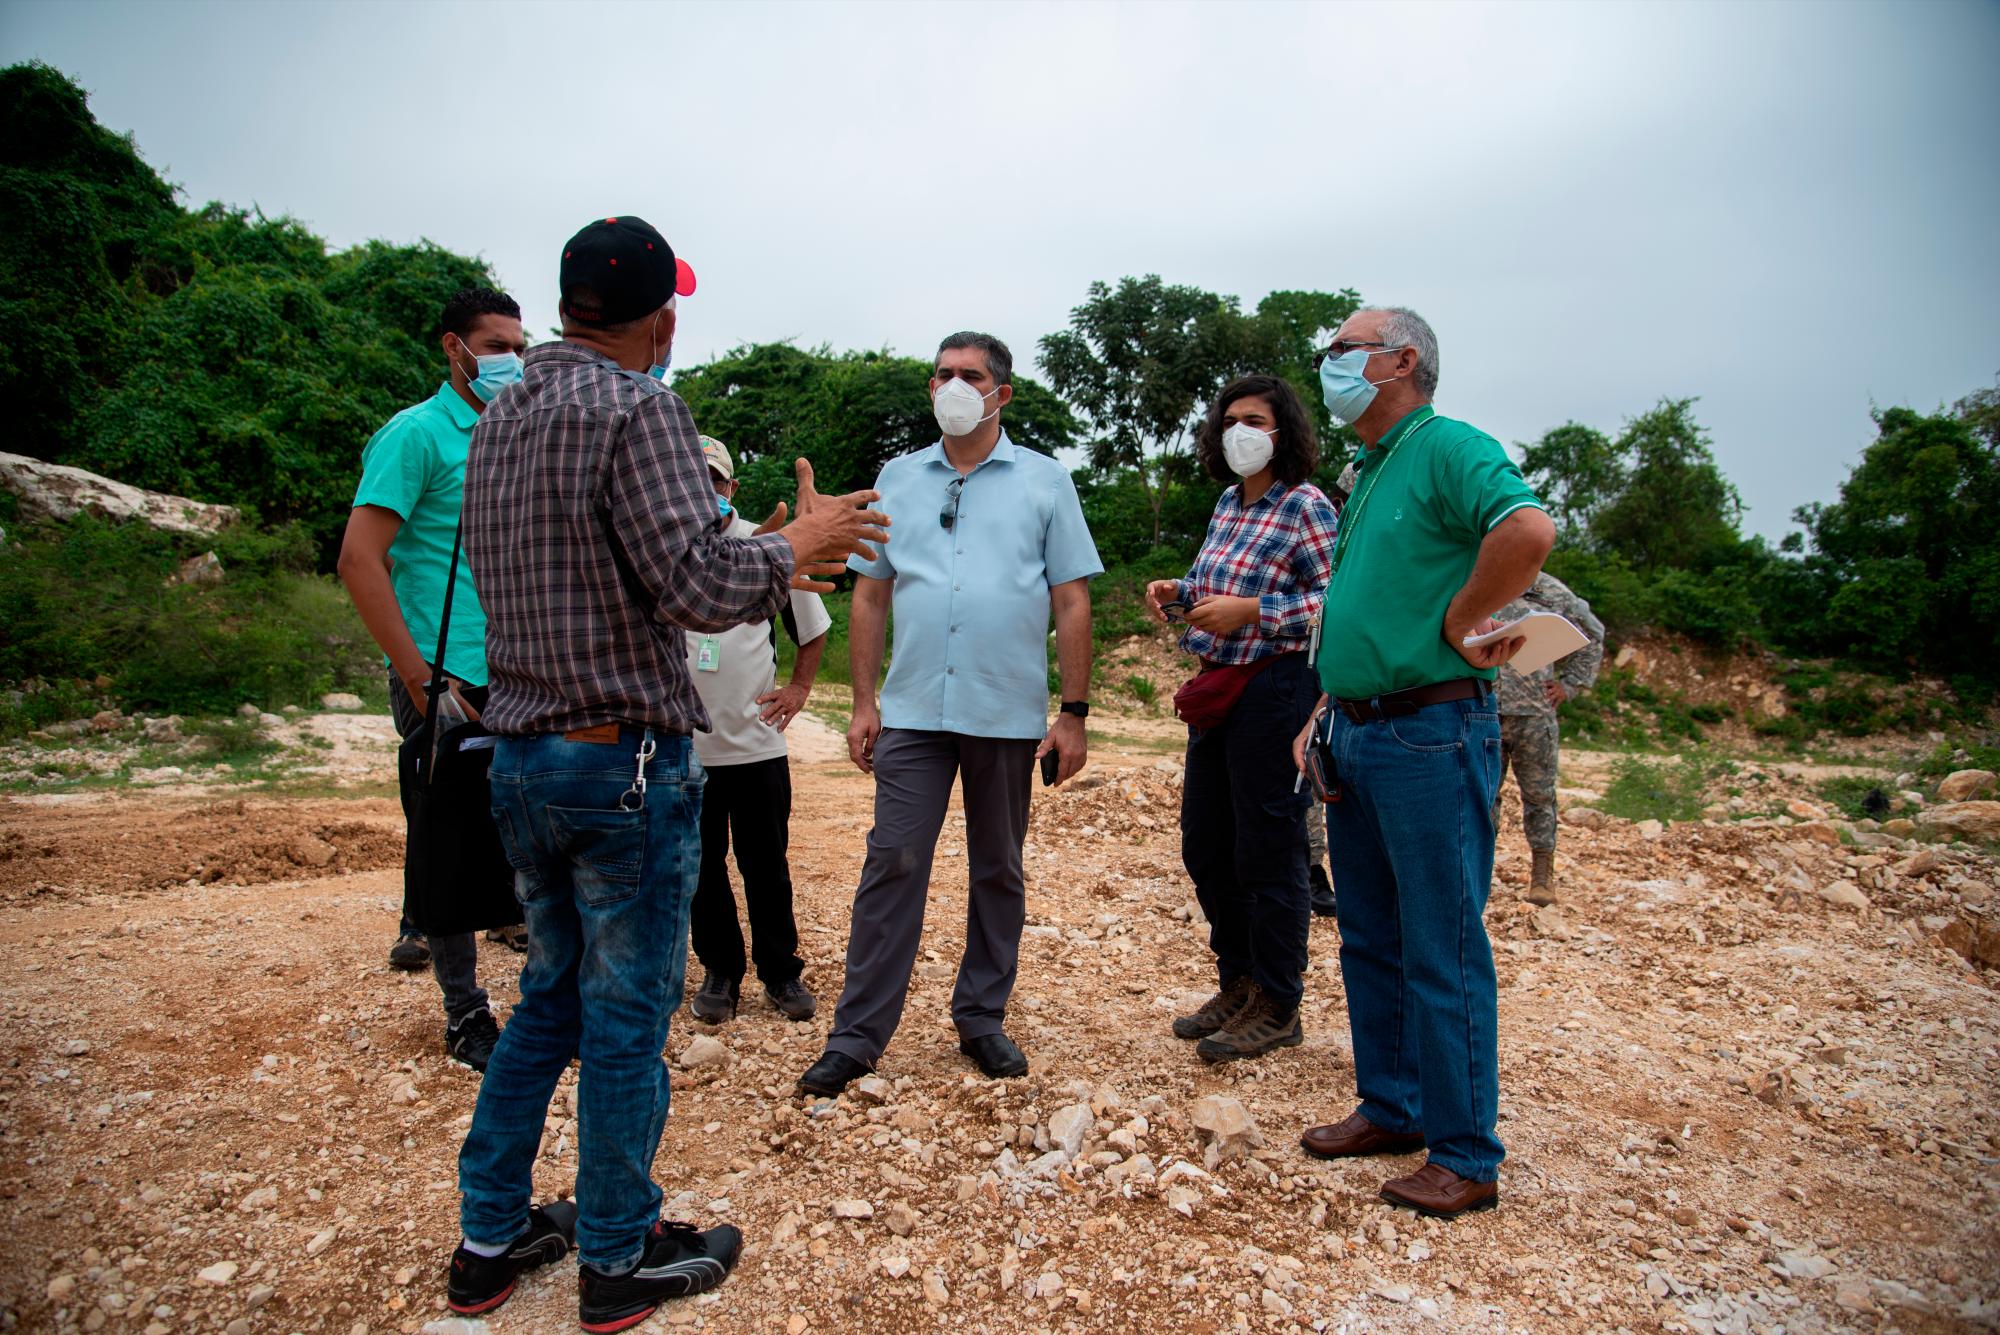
(970, 643)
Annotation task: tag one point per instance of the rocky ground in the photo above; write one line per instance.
(1748, 1075)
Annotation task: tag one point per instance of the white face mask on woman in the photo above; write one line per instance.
(1247, 449)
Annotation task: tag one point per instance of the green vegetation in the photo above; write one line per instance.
(95, 616)
(231, 357)
(1856, 796)
(1662, 791)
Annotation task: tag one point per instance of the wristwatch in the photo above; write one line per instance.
(1080, 708)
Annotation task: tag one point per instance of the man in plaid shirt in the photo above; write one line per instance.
(591, 521)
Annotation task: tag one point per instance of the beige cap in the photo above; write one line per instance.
(717, 455)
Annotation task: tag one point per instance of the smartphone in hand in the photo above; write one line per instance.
(1051, 763)
(1174, 611)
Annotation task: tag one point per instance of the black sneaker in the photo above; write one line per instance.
(410, 953)
(481, 1283)
(792, 1000)
(716, 1002)
(679, 1261)
(470, 1041)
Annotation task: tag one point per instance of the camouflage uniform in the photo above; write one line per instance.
(1316, 835)
(1527, 719)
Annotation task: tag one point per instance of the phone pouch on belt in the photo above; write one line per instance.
(1210, 696)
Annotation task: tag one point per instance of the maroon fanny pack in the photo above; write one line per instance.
(1209, 697)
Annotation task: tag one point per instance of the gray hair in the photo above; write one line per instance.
(1405, 328)
(999, 361)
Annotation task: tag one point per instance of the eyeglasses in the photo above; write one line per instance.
(1341, 347)
(949, 515)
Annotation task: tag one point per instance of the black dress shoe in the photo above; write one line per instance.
(833, 1072)
(1322, 892)
(996, 1054)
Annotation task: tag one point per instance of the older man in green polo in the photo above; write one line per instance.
(1440, 533)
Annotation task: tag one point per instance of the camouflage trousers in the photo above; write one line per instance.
(1528, 743)
(1315, 835)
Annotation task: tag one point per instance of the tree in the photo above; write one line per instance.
(1910, 552)
(1672, 508)
(214, 352)
(1141, 362)
(849, 413)
(1574, 469)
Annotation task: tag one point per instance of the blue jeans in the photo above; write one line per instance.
(606, 890)
(1411, 842)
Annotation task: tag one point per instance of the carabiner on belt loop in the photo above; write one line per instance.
(638, 788)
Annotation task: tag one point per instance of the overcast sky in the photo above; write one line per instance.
(1786, 209)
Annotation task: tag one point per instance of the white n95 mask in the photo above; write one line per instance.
(959, 408)
(1247, 449)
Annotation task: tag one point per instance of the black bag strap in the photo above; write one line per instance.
(437, 686)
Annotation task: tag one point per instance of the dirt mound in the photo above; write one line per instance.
(110, 845)
(1127, 804)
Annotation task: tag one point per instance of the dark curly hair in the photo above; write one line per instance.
(464, 307)
(1296, 448)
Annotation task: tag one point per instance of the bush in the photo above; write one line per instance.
(87, 599)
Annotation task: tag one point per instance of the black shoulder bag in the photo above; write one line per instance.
(456, 877)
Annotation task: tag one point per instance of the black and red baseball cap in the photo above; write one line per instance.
(618, 269)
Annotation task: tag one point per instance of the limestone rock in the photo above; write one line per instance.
(204, 571)
(343, 700)
(56, 491)
(1584, 818)
(1965, 820)
(1650, 829)
(1844, 894)
(853, 1208)
(706, 1050)
(1226, 1127)
(1965, 784)
(219, 1273)
(1068, 1128)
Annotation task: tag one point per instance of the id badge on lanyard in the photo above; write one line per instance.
(708, 654)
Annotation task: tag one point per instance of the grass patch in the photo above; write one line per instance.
(1142, 690)
(1940, 763)
(1665, 792)
(1856, 797)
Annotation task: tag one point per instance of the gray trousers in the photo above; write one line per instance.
(913, 777)
(454, 959)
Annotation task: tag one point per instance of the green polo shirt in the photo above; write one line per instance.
(1427, 495)
(415, 465)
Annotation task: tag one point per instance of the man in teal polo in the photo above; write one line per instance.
(1440, 533)
(395, 560)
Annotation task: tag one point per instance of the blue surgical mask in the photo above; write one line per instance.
(658, 370)
(722, 503)
(1344, 383)
(495, 373)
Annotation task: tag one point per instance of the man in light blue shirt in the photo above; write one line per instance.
(990, 539)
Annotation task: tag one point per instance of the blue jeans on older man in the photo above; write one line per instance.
(605, 876)
(1411, 842)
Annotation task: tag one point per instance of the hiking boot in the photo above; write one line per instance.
(1216, 1012)
(833, 1072)
(1542, 880)
(470, 1041)
(679, 1261)
(1322, 892)
(716, 1002)
(410, 953)
(792, 1000)
(514, 937)
(479, 1284)
(1253, 1031)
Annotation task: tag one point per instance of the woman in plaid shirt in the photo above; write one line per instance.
(1249, 604)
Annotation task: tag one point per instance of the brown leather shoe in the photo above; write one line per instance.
(1355, 1137)
(1436, 1192)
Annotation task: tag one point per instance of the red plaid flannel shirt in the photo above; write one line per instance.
(1278, 551)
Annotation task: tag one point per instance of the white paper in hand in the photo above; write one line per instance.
(1549, 637)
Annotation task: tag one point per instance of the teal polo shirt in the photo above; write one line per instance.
(415, 465)
(1425, 497)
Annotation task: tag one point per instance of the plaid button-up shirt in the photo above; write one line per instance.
(1278, 550)
(594, 529)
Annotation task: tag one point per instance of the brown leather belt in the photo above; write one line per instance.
(1403, 703)
(604, 734)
